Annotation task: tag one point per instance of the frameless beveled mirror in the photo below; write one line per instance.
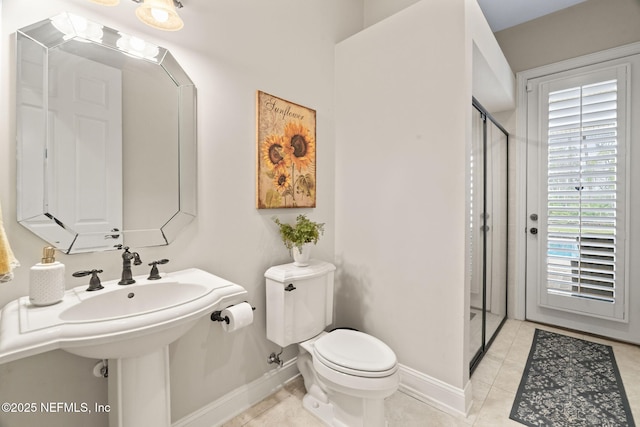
(106, 137)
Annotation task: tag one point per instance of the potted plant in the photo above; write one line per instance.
(298, 237)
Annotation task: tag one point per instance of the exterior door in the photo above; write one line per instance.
(580, 237)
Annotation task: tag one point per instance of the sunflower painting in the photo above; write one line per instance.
(286, 137)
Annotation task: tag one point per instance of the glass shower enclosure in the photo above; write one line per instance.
(487, 231)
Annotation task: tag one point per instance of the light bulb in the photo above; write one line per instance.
(159, 15)
(137, 43)
(79, 23)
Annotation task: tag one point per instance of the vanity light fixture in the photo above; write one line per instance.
(160, 14)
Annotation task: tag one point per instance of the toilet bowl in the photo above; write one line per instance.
(347, 373)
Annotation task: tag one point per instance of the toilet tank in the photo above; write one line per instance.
(299, 301)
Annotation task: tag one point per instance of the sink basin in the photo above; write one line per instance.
(133, 301)
(117, 321)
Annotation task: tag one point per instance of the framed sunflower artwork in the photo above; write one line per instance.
(286, 152)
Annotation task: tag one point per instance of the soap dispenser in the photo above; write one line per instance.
(46, 280)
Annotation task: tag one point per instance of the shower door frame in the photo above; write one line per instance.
(485, 344)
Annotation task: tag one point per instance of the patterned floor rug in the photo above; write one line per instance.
(569, 382)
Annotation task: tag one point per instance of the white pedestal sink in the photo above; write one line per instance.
(131, 325)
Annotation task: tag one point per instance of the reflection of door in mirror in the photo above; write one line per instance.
(83, 156)
(85, 165)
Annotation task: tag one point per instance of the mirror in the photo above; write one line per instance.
(106, 137)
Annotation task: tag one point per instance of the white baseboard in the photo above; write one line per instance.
(444, 396)
(413, 383)
(240, 399)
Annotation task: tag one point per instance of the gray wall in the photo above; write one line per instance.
(585, 28)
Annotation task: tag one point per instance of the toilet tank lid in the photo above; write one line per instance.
(289, 272)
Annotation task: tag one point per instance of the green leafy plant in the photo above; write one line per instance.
(304, 231)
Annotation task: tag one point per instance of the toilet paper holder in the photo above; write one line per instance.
(216, 316)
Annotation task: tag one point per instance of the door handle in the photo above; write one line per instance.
(533, 230)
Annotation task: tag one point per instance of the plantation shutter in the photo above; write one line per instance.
(585, 190)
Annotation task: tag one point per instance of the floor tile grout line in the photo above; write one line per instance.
(491, 386)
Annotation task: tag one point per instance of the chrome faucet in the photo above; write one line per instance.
(127, 277)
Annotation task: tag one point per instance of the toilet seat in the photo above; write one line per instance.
(355, 353)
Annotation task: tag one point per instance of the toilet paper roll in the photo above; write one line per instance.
(239, 315)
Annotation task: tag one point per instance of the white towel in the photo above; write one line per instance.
(7, 260)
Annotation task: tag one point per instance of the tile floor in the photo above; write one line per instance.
(495, 383)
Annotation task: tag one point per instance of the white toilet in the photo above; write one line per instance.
(347, 373)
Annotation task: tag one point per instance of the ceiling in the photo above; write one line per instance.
(503, 14)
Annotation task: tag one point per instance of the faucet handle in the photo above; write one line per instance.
(155, 274)
(94, 282)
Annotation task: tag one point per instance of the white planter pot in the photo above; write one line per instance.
(301, 257)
